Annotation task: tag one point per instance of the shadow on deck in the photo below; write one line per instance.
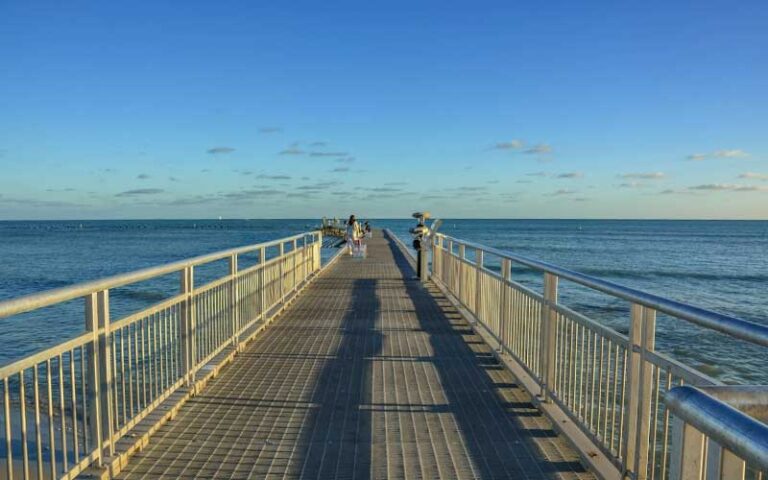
(368, 375)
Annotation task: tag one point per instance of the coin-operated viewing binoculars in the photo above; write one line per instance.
(422, 236)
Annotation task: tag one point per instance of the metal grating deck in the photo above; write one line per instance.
(367, 375)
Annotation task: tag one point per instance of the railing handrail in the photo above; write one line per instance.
(736, 327)
(734, 430)
(47, 298)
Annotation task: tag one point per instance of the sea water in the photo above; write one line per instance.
(718, 265)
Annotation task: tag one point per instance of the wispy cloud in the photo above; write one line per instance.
(35, 203)
(736, 153)
(318, 144)
(633, 185)
(385, 189)
(318, 186)
(394, 184)
(292, 151)
(721, 187)
(252, 194)
(270, 130)
(539, 149)
(672, 191)
(644, 175)
(510, 145)
(220, 150)
(140, 191)
(173, 179)
(754, 176)
(563, 191)
(328, 154)
(340, 169)
(570, 175)
(537, 174)
(346, 160)
(273, 177)
(730, 153)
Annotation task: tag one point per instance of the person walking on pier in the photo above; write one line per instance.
(354, 235)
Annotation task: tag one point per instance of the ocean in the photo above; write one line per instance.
(718, 265)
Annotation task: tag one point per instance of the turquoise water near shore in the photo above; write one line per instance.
(719, 265)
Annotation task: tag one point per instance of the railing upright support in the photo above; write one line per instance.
(723, 464)
(478, 282)
(506, 267)
(280, 263)
(316, 253)
(294, 253)
(688, 452)
(263, 289)
(642, 339)
(188, 346)
(462, 256)
(234, 299)
(99, 377)
(548, 337)
(436, 257)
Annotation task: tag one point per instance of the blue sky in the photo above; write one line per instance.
(303, 109)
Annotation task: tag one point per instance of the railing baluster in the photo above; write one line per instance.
(51, 430)
(547, 334)
(7, 421)
(234, 299)
(38, 431)
(504, 302)
(24, 434)
(187, 326)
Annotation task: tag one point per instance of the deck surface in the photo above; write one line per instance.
(367, 375)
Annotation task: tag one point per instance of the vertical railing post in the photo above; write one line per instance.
(435, 257)
(723, 464)
(449, 281)
(548, 339)
(478, 282)
(688, 452)
(462, 254)
(293, 269)
(263, 276)
(642, 335)
(316, 254)
(506, 267)
(99, 377)
(234, 299)
(281, 261)
(188, 334)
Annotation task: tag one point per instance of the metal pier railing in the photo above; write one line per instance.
(67, 407)
(617, 389)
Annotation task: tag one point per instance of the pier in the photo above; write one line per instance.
(289, 367)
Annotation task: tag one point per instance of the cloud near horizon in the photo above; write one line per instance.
(140, 191)
(220, 150)
(273, 177)
(644, 176)
(733, 153)
(539, 149)
(730, 187)
(292, 151)
(328, 154)
(510, 145)
(754, 176)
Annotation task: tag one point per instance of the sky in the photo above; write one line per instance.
(489, 109)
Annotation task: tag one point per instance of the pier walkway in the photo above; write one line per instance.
(368, 374)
